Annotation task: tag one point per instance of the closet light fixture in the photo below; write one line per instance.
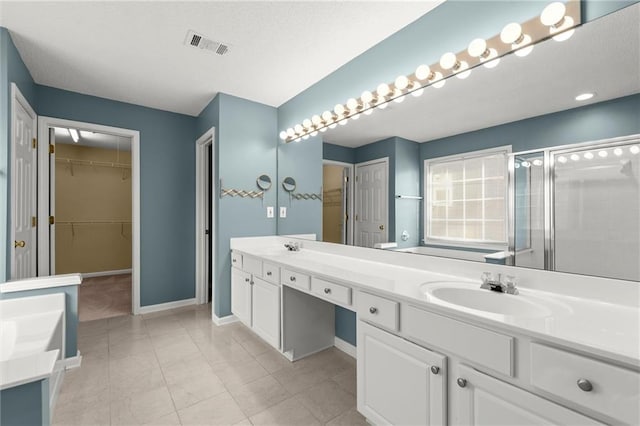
(635, 149)
(557, 21)
(617, 152)
(562, 159)
(575, 157)
(74, 135)
(588, 155)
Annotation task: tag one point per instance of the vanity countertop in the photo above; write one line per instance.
(605, 329)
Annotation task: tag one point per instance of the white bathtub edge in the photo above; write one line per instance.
(41, 282)
(19, 371)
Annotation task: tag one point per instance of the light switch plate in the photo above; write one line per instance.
(283, 212)
(270, 212)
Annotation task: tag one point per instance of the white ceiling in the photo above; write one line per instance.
(134, 52)
(603, 56)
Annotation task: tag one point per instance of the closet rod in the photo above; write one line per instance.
(94, 163)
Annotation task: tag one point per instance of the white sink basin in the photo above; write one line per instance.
(471, 297)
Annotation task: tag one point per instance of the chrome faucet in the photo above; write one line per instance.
(292, 246)
(496, 283)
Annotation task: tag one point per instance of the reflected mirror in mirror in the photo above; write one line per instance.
(527, 104)
(289, 184)
(263, 182)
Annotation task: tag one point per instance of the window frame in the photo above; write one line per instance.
(506, 150)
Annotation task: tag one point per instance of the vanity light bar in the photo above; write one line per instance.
(558, 21)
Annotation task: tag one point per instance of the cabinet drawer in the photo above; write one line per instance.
(379, 310)
(271, 273)
(252, 265)
(615, 391)
(480, 346)
(295, 279)
(236, 260)
(331, 291)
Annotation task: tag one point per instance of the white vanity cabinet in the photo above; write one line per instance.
(484, 400)
(399, 383)
(256, 301)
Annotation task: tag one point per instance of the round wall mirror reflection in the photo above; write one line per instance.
(263, 182)
(289, 184)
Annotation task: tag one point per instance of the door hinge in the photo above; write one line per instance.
(52, 149)
(356, 218)
(52, 220)
(34, 220)
(34, 143)
(356, 178)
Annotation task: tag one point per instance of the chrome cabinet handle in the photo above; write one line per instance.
(292, 278)
(461, 382)
(269, 273)
(435, 369)
(373, 310)
(327, 290)
(585, 385)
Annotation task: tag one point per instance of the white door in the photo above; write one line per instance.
(488, 401)
(266, 311)
(241, 295)
(399, 383)
(372, 202)
(23, 192)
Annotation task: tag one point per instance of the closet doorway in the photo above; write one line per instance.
(89, 189)
(91, 192)
(337, 202)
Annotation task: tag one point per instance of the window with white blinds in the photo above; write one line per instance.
(466, 198)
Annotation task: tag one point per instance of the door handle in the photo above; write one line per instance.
(20, 243)
(381, 227)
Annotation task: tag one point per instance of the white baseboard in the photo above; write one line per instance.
(105, 273)
(345, 347)
(223, 320)
(71, 362)
(165, 306)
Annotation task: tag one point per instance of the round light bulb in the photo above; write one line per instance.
(526, 164)
(562, 159)
(323, 129)
(366, 97)
(355, 116)
(290, 132)
(343, 122)
(492, 60)
(339, 109)
(306, 123)
(438, 80)
(314, 133)
(316, 119)
(477, 48)
(418, 92)
(298, 140)
(383, 90)
(516, 165)
(352, 104)
(537, 162)
(382, 105)
(565, 35)
(635, 149)
(603, 154)
(423, 72)
(398, 97)
(283, 135)
(511, 33)
(588, 155)
(463, 70)
(305, 137)
(333, 125)
(368, 110)
(526, 39)
(553, 14)
(575, 157)
(327, 117)
(617, 152)
(448, 61)
(298, 128)
(402, 82)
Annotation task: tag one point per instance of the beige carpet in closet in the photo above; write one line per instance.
(105, 297)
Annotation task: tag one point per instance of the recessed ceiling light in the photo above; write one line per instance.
(584, 96)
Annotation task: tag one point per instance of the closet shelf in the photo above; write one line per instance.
(93, 163)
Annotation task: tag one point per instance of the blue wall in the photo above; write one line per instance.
(246, 147)
(167, 186)
(26, 405)
(12, 70)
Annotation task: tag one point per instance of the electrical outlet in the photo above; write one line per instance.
(270, 212)
(283, 212)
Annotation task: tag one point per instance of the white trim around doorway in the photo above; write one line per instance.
(202, 167)
(44, 235)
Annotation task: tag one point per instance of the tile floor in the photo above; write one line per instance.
(177, 367)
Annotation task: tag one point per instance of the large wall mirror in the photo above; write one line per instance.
(505, 166)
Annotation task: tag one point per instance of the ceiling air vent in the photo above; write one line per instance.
(199, 41)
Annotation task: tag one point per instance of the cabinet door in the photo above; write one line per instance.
(266, 311)
(399, 383)
(241, 295)
(488, 401)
